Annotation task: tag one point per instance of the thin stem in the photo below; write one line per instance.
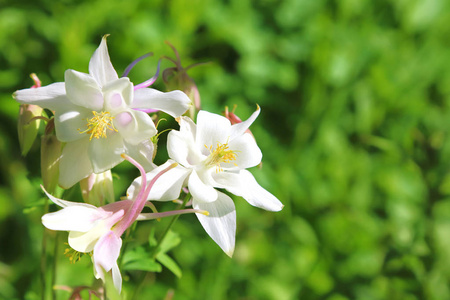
(55, 262)
(44, 254)
(174, 219)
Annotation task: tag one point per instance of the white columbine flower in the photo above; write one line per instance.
(100, 116)
(213, 154)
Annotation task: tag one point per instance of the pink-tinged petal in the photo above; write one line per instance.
(75, 163)
(247, 153)
(134, 126)
(104, 153)
(52, 96)
(118, 94)
(166, 188)
(174, 103)
(200, 191)
(71, 122)
(220, 224)
(240, 128)
(106, 251)
(100, 66)
(211, 129)
(83, 90)
(73, 218)
(86, 241)
(244, 184)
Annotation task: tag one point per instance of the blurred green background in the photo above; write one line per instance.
(354, 124)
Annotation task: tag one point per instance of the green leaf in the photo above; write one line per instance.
(143, 265)
(169, 263)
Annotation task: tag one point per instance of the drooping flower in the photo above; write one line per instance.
(98, 229)
(213, 154)
(99, 116)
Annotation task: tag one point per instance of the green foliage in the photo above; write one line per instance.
(354, 125)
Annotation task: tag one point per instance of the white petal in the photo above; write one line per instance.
(73, 218)
(104, 153)
(166, 188)
(100, 66)
(117, 277)
(118, 94)
(71, 122)
(142, 153)
(247, 153)
(240, 128)
(75, 163)
(220, 224)
(181, 147)
(83, 90)
(201, 191)
(175, 103)
(134, 126)
(250, 190)
(64, 203)
(52, 96)
(211, 129)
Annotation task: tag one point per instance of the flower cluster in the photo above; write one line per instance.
(97, 120)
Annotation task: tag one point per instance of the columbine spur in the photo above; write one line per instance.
(100, 116)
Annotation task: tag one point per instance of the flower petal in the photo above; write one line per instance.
(134, 126)
(106, 251)
(174, 103)
(239, 128)
(181, 147)
(64, 203)
(117, 277)
(104, 153)
(211, 129)
(74, 164)
(52, 96)
(244, 184)
(100, 66)
(201, 191)
(166, 188)
(220, 224)
(142, 153)
(86, 241)
(118, 94)
(70, 122)
(83, 90)
(247, 153)
(73, 218)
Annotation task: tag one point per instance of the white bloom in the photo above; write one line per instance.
(100, 116)
(213, 154)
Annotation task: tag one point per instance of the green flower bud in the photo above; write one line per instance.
(28, 126)
(50, 155)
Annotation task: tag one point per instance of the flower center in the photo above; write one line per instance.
(221, 154)
(99, 124)
(73, 255)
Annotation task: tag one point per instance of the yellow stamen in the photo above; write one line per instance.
(73, 255)
(221, 154)
(99, 124)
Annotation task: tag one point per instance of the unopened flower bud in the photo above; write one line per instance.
(97, 189)
(28, 126)
(50, 156)
(176, 78)
(29, 121)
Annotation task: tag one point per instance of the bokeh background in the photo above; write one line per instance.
(354, 125)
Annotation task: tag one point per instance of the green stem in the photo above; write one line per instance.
(55, 263)
(44, 255)
(174, 219)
